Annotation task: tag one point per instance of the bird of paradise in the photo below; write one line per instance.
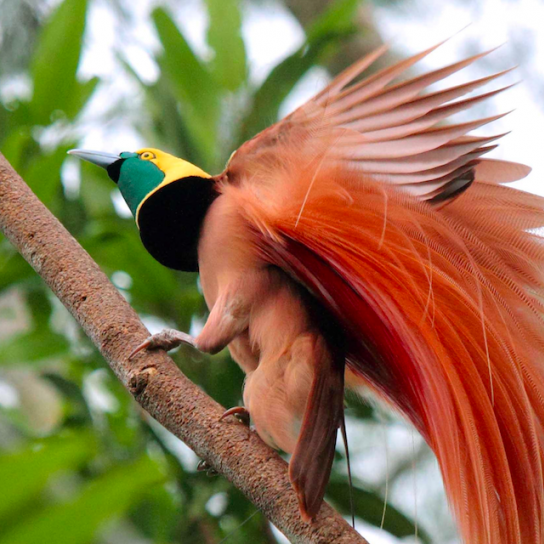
(358, 243)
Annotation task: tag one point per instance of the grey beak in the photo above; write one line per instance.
(96, 157)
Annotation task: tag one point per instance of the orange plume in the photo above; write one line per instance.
(443, 311)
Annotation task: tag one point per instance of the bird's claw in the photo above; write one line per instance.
(142, 346)
(167, 339)
(239, 412)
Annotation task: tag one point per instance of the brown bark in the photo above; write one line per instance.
(153, 379)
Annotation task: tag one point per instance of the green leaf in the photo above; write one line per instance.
(173, 129)
(338, 17)
(357, 407)
(41, 342)
(169, 131)
(190, 76)
(42, 174)
(76, 521)
(225, 38)
(191, 83)
(16, 145)
(82, 93)
(281, 81)
(76, 410)
(39, 306)
(323, 37)
(158, 515)
(370, 506)
(25, 473)
(95, 191)
(55, 63)
(33, 346)
(13, 268)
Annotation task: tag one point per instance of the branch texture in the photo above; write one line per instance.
(152, 378)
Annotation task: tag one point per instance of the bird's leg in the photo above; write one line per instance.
(229, 318)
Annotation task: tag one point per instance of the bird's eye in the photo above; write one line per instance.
(147, 156)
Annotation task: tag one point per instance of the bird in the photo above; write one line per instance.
(364, 242)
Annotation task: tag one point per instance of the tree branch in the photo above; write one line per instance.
(153, 379)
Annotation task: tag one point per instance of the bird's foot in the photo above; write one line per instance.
(239, 412)
(167, 339)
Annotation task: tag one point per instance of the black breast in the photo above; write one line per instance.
(171, 218)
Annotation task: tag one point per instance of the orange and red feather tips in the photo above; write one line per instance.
(388, 130)
(442, 308)
(443, 316)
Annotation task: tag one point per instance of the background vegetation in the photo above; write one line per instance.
(79, 461)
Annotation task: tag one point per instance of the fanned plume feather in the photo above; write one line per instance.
(389, 130)
(466, 371)
(443, 306)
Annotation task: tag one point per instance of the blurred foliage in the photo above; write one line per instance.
(79, 461)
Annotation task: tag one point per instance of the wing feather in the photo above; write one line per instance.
(428, 101)
(392, 130)
(497, 171)
(414, 144)
(424, 105)
(421, 122)
(369, 87)
(424, 161)
(434, 174)
(405, 91)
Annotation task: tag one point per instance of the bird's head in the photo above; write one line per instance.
(167, 196)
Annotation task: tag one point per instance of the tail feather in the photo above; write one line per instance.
(444, 313)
